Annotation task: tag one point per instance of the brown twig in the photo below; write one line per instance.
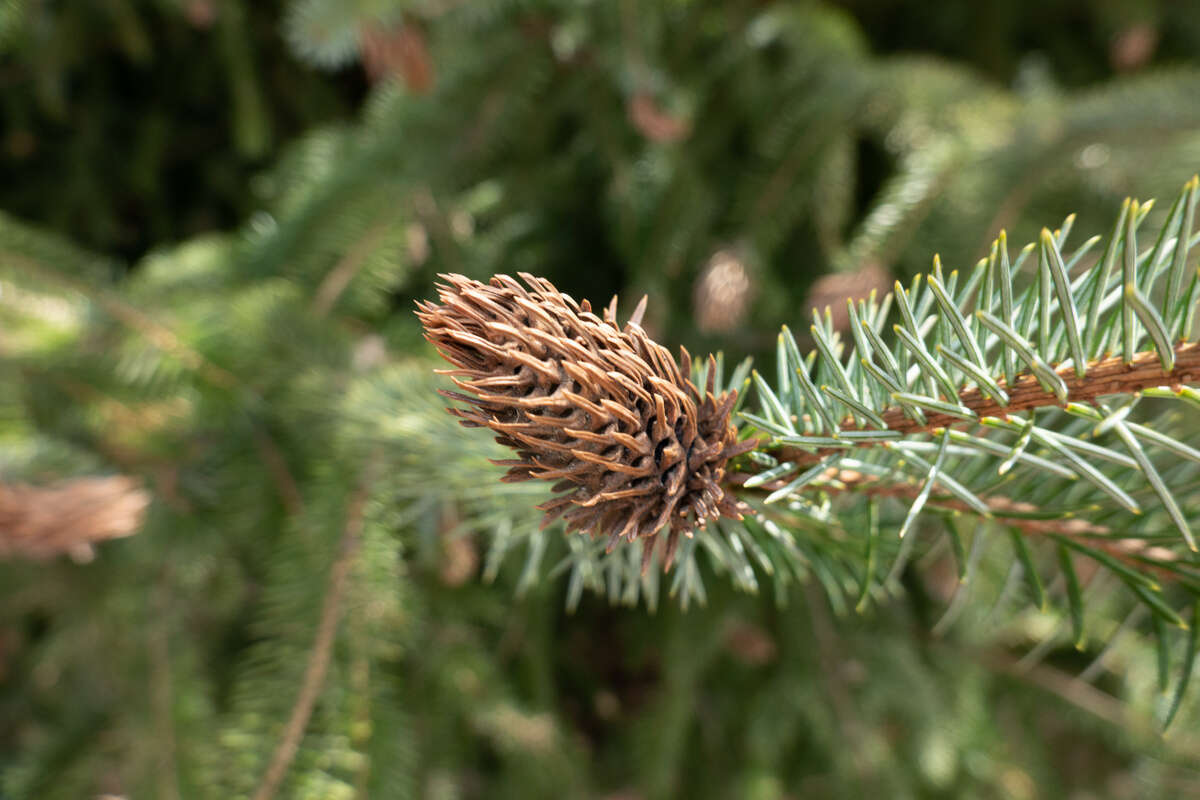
(1107, 376)
(1088, 698)
(337, 279)
(837, 481)
(277, 467)
(322, 648)
(159, 655)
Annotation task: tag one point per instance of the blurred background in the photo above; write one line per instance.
(215, 216)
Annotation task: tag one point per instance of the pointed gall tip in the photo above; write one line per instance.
(610, 311)
(639, 311)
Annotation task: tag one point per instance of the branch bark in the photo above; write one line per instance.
(1107, 376)
(319, 655)
(1130, 551)
(337, 279)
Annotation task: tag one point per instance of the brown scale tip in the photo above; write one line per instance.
(603, 411)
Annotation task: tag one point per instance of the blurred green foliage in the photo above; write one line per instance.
(129, 124)
(215, 216)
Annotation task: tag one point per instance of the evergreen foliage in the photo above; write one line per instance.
(332, 595)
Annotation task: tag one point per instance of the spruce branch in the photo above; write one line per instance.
(274, 459)
(322, 648)
(1015, 513)
(1110, 376)
(157, 333)
(520, 353)
(969, 362)
(338, 279)
(169, 341)
(1087, 698)
(1022, 516)
(158, 653)
(1008, 392)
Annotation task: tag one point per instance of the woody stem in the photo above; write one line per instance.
(1104, 377)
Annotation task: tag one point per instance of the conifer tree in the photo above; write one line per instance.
(934, 541)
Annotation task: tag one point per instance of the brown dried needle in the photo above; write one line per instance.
(42, 522)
